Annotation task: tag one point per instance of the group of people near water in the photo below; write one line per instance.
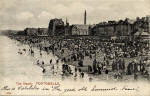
(114, 54)
(66, 69)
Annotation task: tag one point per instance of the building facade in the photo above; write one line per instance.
(42, 31)
(125, 27)
(56, 27)
(31, 31)
(67, 29)
(148, 23)
(79, 29)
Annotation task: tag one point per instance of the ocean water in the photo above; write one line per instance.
(13, 66)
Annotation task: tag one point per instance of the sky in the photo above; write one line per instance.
(19, 14)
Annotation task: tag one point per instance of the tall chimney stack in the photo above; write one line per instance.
(85, 18)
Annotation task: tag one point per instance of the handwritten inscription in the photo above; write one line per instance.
(103, 89)
(59, 89)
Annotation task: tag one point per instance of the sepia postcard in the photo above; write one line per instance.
(74, 47)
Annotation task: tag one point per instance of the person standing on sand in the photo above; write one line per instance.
(41, 54)
(95, 66)
(38, 62)
(99, 69)
(42, 62)
(44, 70)
(57, 61)
(32, 52)
(82, 75)
(135, 76)
(50, 61)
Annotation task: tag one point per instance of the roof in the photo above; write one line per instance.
(81, 26)
(31, 28)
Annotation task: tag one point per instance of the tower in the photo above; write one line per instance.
(85, 18)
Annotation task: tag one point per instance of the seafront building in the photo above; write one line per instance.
(127, 27)
(77, 29)
(31, 31)
(56, 27)
(42, 31)
(148, 21)
(36, 31)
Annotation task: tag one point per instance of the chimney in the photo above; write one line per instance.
(85, 18)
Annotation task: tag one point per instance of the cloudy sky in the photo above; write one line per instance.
(18, 14)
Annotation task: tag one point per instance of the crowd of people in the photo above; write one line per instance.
(119, 56)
